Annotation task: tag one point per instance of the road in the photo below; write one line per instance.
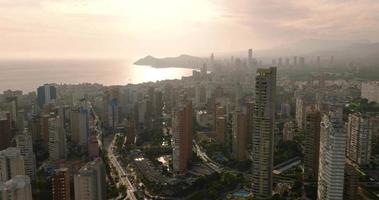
(121, 172)
(203, 156)
(112, 158)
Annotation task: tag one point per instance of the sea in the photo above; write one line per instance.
(27, 75)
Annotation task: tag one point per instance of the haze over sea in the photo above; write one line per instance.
(27, 75)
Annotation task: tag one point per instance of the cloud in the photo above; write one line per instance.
(283, 20)
(166, 27)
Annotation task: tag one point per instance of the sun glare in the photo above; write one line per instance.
(145, 14)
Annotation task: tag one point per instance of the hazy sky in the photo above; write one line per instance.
(133, 28)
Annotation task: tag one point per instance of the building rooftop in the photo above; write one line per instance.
(10, 152)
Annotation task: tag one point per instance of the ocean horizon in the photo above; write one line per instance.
(27, 75)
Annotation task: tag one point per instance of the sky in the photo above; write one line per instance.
(135, 28)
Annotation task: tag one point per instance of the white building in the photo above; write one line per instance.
(57, 140)
(17, 188)
(24, 143)
(332, 157)
(90, 183)
(80, 123)
(359, 136)
(370, 91)
(11, 163)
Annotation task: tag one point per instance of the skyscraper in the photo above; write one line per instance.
(113, 113)
(79, 118)
(312, 145)
(24, 143)
(11, 163)
(359, 137)
(57, 140)
(239, 136)
(250, 122)
(332, 156)
(302, 61)
(220, 129)
(295, 60)
(220, 123)
(46, 94)
(61, 184)
(287, 61)
(263, 137)
(93, 147)
(17, 188)
(111, 109)
(250, 58)
(182, 137)
(351, 181)
(5, 130)
(280, 62)
(90, 181)
(300, 112)
(130, 132)
(201, 95)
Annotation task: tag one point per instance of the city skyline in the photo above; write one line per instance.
(197, 100)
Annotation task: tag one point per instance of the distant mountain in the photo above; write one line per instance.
(344, 51)
(182, 61)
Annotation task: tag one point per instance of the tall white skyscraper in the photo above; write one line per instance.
(24, 143)
(17, 188)
(359, 136)
(332, 157)
(79, 117)
(11, 163)
(57, 140)
(90, 181)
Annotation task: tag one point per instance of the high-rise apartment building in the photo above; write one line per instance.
(130, 132)
(200, 95)
(302, 61)
(90, 181)
(221, 129)
(79, 118)
(5, 130)
(57, 140)
(351, 181)
(295, 60)
(239, 136)
(46, 94)
(359, 137)
(61, 184)
(250, 58)
(288, 131)
(250, 106)
(263, 137)
(287, 61)
(17, 188)
(93, 147)
(332, 156)
(182, 137)
(25, 144)
(45, 129)
(311, 145)
(11, 163)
